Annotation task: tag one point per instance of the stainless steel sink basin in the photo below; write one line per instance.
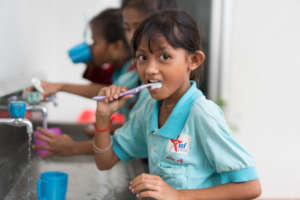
(85, 181)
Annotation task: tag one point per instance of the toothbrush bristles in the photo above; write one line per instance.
(156, 85)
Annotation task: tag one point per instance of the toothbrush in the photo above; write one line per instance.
(132, 91)
(37, 85)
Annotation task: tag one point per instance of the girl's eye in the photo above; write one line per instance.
(164, 56)
(141, 58)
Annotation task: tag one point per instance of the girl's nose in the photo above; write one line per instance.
(151, 68)
(130, 36)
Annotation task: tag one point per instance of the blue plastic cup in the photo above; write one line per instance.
(17, 109)
(80, 53)
(52, 186)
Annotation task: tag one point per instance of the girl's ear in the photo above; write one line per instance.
(196, 59)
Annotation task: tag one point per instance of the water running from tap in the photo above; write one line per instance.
(45, 124)
(29, 177)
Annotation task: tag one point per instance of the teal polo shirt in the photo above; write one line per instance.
(193, 149)
(123, 77)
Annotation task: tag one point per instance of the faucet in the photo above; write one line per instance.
(52, 99)
(17, 112)
(43, 110)
(34, 108)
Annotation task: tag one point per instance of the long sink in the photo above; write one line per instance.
(85, 181)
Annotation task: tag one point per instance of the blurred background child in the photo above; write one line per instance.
(109, 48)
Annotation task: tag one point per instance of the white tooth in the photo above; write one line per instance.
(154, 81)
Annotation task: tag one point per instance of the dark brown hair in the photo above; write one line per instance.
(109, 23)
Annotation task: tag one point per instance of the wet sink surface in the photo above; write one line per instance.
(85, 181)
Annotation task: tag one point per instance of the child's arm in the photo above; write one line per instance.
(106, 158)
(153, 186)
(88, 90)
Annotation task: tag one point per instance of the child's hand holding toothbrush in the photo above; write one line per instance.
(111, 98)
(110, 104)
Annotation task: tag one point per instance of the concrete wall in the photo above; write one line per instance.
(263, 89)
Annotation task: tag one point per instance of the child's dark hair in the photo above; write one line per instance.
(109, 23)
(149, 6)
(177, 27)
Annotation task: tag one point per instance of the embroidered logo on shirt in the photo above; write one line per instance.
(180, 145)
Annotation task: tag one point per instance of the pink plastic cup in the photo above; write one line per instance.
(40, 142)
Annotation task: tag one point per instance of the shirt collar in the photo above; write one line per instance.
(119, 71)
(176, 121)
